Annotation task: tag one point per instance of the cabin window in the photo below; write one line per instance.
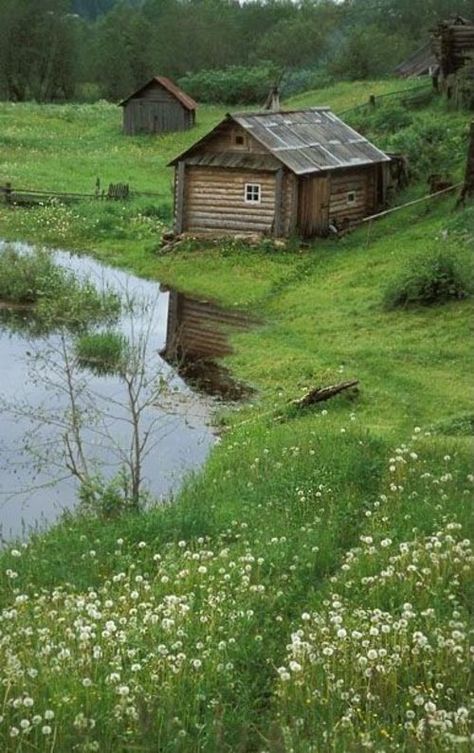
(239, 139)
(351, 197)
(252, 193)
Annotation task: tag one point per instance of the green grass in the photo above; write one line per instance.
(310, 590)
(102, 352)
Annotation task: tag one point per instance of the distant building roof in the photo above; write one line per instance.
(305, 141)
(170, 86)
(419, 63)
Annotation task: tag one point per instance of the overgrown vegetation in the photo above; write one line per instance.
(430, 280)
(58, 296)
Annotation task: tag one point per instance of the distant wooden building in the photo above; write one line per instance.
(422, 62)
(453, 45)
(158, 107)
(278, 173)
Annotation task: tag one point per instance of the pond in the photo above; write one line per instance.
(31, 497)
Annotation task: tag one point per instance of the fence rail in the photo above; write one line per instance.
(28, 196)
(372, 101)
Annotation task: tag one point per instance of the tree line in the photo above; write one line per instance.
(53, 50)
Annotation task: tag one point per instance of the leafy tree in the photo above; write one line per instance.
(37, 50)
(123, 52)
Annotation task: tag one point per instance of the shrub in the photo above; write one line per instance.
(428, 281)
(102, 352)
(232, 85)
(25, 278)
(58, 296)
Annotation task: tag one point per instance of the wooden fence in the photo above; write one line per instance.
(33, 196)
(374, 99)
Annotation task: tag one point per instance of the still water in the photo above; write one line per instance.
(31, 498)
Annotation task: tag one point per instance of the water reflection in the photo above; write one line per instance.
(28, 496)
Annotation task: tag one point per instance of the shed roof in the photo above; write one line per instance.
(418, 63)
(305, 141)
(170, 86)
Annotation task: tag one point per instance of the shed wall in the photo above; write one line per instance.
(155, 110)
(214, 200)
(360, 181)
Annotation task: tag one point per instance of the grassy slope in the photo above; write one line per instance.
(287, 498)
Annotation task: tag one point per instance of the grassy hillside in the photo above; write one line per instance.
(311, 590)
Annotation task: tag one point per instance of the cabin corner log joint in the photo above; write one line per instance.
(278, 173)
(158, 107)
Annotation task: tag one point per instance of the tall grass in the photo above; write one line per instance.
(304, 594)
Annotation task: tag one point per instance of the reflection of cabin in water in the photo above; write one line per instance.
(278, 173)
(199, 329)
(157, 107)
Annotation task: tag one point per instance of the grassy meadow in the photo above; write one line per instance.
(309, 591)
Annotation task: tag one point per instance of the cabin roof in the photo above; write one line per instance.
(305, 141)
(418, 63)
(187, 101)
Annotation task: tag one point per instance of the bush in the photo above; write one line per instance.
(233, 85)
(102, 352)
(428, 281)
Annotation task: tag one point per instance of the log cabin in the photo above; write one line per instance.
(301, 172)
(159, 106)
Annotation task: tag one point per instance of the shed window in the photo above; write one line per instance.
(252, 193)
(351, 197)
(239, 139)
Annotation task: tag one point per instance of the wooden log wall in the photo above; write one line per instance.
(452, 43)
(363, 183)
(199, 329)
(214, 200)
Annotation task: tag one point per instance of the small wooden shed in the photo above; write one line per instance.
(278, 173)
(158, 107)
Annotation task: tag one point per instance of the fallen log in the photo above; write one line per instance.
(319, 394)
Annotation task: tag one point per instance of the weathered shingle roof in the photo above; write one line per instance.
(308, 141)
(418, 63)
(170, 86)
(305, 141)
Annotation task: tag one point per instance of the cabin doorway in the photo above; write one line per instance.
(313, 205)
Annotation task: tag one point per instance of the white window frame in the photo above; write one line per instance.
(351, 197)
(253, 193)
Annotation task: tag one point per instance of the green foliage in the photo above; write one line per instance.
(429, 280)
(233, 85)
(58, 296)
(102, 352)
(390, 118)
(457, 426)
(367, 52)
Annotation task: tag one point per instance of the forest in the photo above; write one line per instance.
(220, 50)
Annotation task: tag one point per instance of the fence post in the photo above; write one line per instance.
(372, 101)
(8, 192)
(468, 188)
